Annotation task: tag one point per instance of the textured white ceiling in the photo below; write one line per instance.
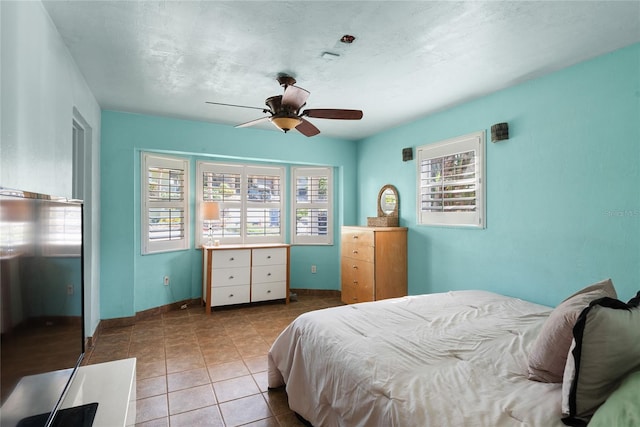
(409, 59)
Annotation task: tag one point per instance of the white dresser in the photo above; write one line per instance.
(238, 274)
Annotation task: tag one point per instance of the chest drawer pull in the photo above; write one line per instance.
(230, 277)
(355, 266)
(269, 291)
(230, 295)
(355, 251)
(231, 259)
(268, 256)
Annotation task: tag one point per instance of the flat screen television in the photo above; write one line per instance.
(41, 301)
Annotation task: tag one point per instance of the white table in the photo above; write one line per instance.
(111, 384)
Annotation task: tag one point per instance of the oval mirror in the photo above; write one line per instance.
(388, 201)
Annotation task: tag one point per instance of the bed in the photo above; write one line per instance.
(450, 359)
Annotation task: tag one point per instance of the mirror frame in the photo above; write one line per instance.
(395, 192)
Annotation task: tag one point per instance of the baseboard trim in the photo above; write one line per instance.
(120, 322)
(152, 312)
(317, 292)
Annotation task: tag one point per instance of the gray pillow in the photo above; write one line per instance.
(605, 349)
(548, 354)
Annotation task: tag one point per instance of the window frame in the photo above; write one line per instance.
(153, 160)
(472, 219)
(301, 171)
(244, 170)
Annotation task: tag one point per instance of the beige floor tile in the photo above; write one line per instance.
(184, 363)
(158, 422)
(204, 417)
(151, 408)
(245, 410)
(256, 364)
(187, 379)
(228, 370)
(235, 388)
(191, 398)
(150, 369)
(151, 387)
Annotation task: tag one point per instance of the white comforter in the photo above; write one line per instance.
(450, 359)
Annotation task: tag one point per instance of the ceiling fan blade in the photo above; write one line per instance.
(253, 122)
(307, 128)
(332, 113)
(295, 97)
(234, 105)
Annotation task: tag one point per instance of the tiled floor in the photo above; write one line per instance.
(195, 369)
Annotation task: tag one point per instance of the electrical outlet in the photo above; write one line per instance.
(313, 269)
(69, 289)
(166, 280)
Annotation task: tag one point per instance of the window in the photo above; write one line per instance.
(165, 211)
(64, 229)
(250, 201)
(312, 207)
(451, 182)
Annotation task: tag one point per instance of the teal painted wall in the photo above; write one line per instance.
(131, 282)
(563, 193)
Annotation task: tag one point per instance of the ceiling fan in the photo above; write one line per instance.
(285, 112)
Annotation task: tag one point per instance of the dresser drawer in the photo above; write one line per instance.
(358, 251)
(354, 291)
(270, 256)
(357, 270)
(364, 292)
(348, 293)
(268, 291)
(230, 277)
(228, 295)
(268, 273)
(356, 235)
(231, 258)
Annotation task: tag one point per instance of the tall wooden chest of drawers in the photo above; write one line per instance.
(373, 263)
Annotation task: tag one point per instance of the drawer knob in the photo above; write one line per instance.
(355, 266)
(355, 252)
(268, 274)
(268, 256)
(230, 277)
(269, 291)
(231, 259)
(355, 236)
(230, 295)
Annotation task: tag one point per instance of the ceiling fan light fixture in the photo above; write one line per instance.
(285, 123)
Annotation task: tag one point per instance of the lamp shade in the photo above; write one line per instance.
(285, 123)
(210, 211)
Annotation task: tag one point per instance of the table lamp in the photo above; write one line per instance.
(210, 212)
